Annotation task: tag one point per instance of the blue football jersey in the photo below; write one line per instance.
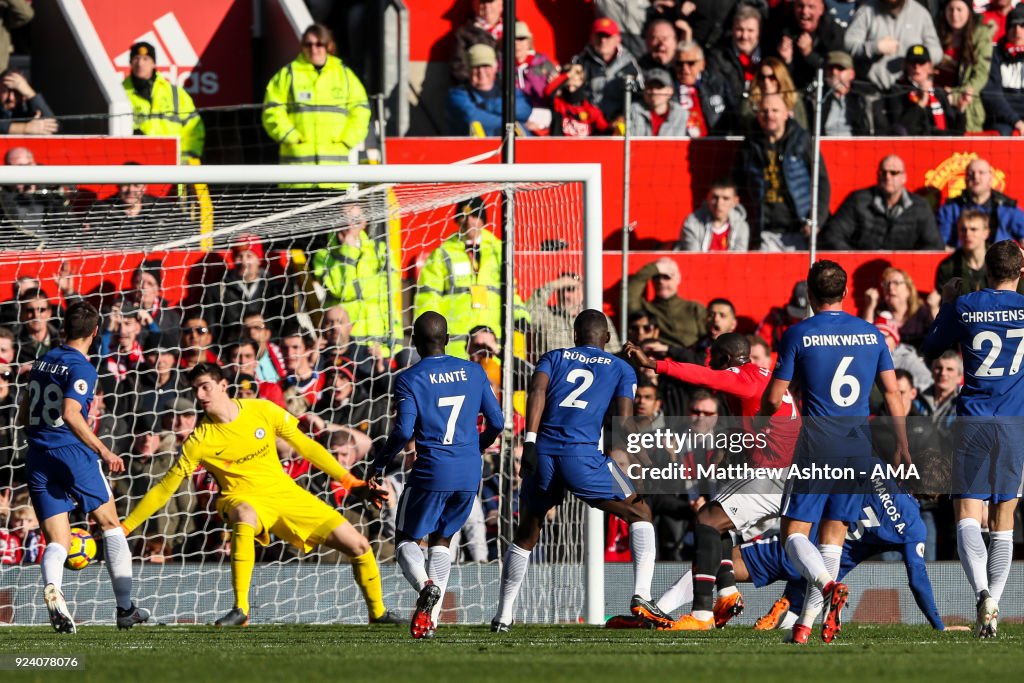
(834, 357)
(889, 516)
(582, 383)
(62, 373)
(989, 325)
(439, 400)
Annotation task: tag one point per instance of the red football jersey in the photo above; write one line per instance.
(743, 387)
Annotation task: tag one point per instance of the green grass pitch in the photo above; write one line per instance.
(537, 654)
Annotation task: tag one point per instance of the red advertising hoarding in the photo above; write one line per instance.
(206, 47)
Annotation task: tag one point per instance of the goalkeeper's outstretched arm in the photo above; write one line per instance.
(158, 496)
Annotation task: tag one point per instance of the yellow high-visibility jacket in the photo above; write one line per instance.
(171, 112)
(357, 278)
(316, 117)
(466, 298)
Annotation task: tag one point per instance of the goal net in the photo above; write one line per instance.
(305, 295)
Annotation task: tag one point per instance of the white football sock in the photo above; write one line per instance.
(807, 560)
(813, 602)
(513, 571)
(1000, 554)
(642, 546)
(410, 559)
(831, 555)
(53, 564)
(679, 594)
(119, 565)
(973, 554)
(788, 621)
(439, 568)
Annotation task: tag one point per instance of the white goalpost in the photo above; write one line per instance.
(95, 232)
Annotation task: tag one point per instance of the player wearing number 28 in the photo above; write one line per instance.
(570, 393)
(989, 430)
(63, 470)
(439, 400)
(236, 443)
(834, 357)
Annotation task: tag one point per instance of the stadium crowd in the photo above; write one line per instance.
(325, 338)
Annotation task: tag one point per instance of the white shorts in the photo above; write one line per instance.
(752, 505)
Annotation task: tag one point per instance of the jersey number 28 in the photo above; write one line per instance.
(52, 397)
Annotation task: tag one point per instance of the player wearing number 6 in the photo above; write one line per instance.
(570, 393)
(834, 357)
(989, 430)
(439, 400)
(63, 470)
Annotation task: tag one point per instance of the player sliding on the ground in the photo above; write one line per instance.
(890, 520)
(235, 442)
(62, 468)
(439, 400)
(750, 506)
(989, 431)
(834, 357)
(569, 395)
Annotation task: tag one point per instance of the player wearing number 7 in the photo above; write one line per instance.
(834, 357)
(62, 467)
(570, 393)
(439, 400)
(989, 430)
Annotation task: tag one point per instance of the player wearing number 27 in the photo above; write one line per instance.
(989, 430)
(439, 400)
(63, 469)
(570, 393)
(834, 357)
(236, 443)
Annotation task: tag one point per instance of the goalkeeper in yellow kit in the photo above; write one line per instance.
(235, 443)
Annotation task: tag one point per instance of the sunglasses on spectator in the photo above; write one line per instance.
(703, 413)
(769, 75)
(195, 330)
(688, 62)
(649, 327)
(662, 276)
(311, 43)
(887, 172)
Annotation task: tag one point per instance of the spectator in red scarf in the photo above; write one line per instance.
(196, 338)
(704, 96)
(573, 115)
(915, 106)
(119, 343)
(1004, 95)
(303, 380)
(737, 60)
(485, 27)
(533, 73)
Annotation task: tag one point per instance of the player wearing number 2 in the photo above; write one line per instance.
(63, 469)
(439, 400)
(570, 393)
(834, 357)
(989, 431)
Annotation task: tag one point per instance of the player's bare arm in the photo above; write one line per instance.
(75, 421)
(536, 400)
(890, 389)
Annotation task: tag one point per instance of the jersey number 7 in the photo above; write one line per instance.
(455, 403)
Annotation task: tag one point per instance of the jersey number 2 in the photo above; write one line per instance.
(573, 399)
(53, 405)
(455, 403)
